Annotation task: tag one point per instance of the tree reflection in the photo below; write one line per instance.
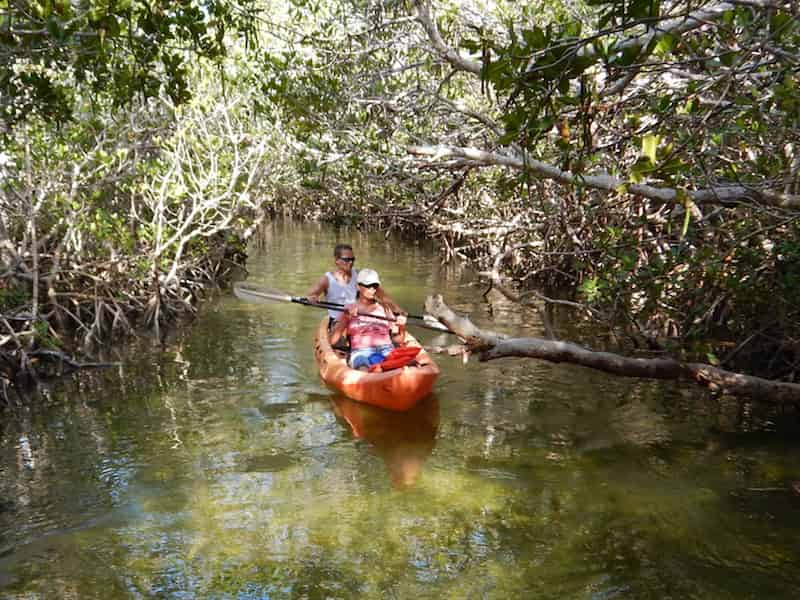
(404, 440)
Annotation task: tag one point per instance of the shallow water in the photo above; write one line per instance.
(223, 468)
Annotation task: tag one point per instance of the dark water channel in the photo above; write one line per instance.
(222, 468)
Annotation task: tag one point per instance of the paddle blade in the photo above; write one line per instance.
(260, 295)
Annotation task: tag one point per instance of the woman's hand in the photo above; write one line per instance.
(351, 309)
(399, 329)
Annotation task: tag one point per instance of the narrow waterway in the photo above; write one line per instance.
(223, 468)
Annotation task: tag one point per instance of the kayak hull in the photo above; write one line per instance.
(398, 389)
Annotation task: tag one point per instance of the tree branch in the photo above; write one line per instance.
(491, 345)
(458, 62)
(721, 194)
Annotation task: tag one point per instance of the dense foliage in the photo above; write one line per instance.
(117, 49)
(122, 189)
(644, 153)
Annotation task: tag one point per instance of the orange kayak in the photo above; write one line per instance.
(398, 389)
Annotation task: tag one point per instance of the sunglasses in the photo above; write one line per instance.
(348, 259)
(374, 286)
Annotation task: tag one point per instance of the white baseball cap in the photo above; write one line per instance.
(368, 277)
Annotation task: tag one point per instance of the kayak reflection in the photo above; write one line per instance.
(403, 440)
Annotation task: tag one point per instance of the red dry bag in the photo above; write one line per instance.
(399, 357)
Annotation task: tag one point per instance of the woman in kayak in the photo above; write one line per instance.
(371, 340)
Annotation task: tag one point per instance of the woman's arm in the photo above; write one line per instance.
(398, 330)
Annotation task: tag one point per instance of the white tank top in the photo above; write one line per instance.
(339, 293)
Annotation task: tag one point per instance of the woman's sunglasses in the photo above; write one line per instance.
(374, 286)
(349, 259)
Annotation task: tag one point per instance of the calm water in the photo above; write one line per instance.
(222, 468)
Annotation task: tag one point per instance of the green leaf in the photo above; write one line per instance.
(727, 17)
(687, 217)
(111, 25)
(641, 168)
(39, 9)
(726, 58)
(507, 138)
(627, 57)
(640, 9)
(54, 29)
(629, 261)
(579, 64)
(535, 38)
(514, 120)
(590, 289)
(778, 24)
(573, 29)
(536, 126)
(471, 45)
(664, 45)
(689, 107)
(600, 48)
(650, 146)
(673, 166)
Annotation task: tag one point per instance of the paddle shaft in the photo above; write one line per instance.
(261, 295)
(435, 325)
(335, 306)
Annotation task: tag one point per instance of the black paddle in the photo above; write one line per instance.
(263, 296)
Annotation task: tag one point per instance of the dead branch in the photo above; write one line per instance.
(490, 345)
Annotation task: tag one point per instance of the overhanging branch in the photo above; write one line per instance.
(491, 345)
(722, 194)
(457, 61)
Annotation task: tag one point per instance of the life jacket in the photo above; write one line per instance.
(399, 357)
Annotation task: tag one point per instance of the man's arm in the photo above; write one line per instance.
(319, 288)
(341, 325)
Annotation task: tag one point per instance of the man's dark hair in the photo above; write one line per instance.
(337, 251)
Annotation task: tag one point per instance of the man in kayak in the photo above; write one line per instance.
(339, 286)
(371, 339)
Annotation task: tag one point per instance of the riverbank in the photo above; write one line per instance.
(60, 325)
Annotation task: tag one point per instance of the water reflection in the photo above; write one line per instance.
(223, 468)
(403, 440)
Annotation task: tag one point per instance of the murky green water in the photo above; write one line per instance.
(222, 468)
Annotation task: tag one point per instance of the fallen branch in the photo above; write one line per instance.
(489, 345)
